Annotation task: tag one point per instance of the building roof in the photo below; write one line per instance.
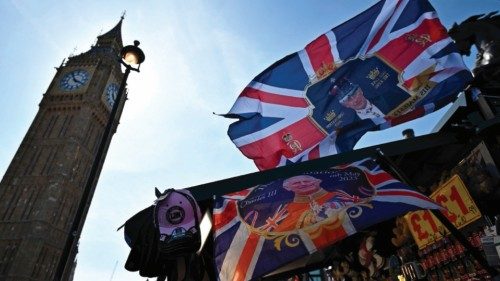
(115, 34)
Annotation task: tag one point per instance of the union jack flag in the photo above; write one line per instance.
(397, 53)
(252, 234)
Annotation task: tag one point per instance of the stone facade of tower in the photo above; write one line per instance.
(43, 185)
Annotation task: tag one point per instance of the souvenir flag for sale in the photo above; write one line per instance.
(263, 228)
(390, 64)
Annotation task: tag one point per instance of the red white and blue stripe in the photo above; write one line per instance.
(407, 34)
(243, 254)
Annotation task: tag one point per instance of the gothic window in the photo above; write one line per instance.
(59, 211)
(64, 128)
(42, 162)
(11, 204)
(69, 216)
(40, 265)
(33, 193)
(48, 125)
(49, 161)
(32, 157)
(21, 203)
(8, 250)
(88, 134)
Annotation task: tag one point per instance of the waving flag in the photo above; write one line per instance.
(263, 228)
(390, 64)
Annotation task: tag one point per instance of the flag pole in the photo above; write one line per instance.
(440, 216)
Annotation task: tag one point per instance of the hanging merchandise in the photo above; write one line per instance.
(268, 226)
(177, 219)
(164, 238)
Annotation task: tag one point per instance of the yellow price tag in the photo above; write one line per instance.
(460, 210)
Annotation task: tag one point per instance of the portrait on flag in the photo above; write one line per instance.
(390, 64)
(314, 203)
(362, 89)
(263, 228)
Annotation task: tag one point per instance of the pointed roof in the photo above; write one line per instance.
(115, 34)
(107, 48)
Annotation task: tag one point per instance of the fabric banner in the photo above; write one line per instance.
(390, 64)
(263, 228)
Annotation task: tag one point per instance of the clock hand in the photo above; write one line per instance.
(75, 79)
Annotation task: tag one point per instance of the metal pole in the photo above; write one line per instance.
(78, 221)
(442, 218)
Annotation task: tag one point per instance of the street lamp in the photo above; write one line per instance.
(131, 57)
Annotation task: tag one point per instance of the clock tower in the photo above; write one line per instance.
(44, 183)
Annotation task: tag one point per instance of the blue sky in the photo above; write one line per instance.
(199, 56)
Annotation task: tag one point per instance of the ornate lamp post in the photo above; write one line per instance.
(131, 57)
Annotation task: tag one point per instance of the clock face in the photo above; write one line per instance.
(110, 95)
(74, 80)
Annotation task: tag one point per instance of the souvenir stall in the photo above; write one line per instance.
(417, 246)
(422, 208)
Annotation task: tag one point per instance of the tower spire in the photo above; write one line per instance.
(112, 36)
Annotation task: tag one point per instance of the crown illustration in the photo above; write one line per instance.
(373, 73)
(330, 115)
(324, 70)
(287, 137)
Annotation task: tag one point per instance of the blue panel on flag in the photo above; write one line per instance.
(257, 122)
(224, 239)
(351, 35)
(269, 262)
(450, 48)
(287, 73)
(453, 83)
(411, 13)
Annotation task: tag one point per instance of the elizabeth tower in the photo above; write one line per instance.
(44, 183)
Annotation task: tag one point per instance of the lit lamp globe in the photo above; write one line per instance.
(132, 56)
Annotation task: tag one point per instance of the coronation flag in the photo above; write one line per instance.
(390, 64)
(263, 228)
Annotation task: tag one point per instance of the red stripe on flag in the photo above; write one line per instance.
(377, 36)
(314, 153)
(267, 152)
(376, 179)
(409, 83)
(320, 55)
(243, 192)
(246, 257)
(273, 98)
(229, 214)
(401, 51)
(404, 193)
(418, 112)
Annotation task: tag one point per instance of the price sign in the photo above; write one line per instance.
(460, 210)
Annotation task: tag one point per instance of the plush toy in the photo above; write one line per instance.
(368, 256)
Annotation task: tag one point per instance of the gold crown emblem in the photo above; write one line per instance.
(373, 73)
(421, 39)
(324, 70)
(330, 115)
(287, 137)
